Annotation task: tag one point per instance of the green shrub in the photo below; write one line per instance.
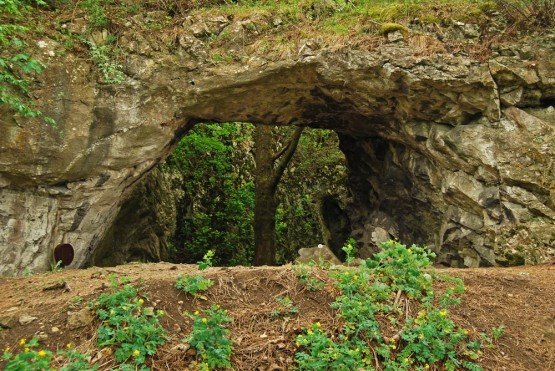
(369, 295)
(133, 330)
(210, 337)
(193, 284)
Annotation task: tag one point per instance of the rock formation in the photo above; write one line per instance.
(444, 149)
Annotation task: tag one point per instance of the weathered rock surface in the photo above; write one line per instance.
(144, 225)
(456, 153)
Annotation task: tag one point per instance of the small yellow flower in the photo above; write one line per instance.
(42, 353)
(196, 312)
(318, 324)
(136, 353)
(26, 350)
(69, 346)
(310, 332)
(426, 366)
(443, 313)
(406, 360)
(465, 331)
(22, 342)
(204, 320)
(161, 312)
(141, 301)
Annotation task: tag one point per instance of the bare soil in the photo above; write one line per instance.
(521, 298)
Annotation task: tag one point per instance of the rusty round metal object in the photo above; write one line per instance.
(64, 252)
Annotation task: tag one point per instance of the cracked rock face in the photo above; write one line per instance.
(442, 150)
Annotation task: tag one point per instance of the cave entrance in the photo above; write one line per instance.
(202, 198)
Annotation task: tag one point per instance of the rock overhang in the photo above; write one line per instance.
(451, 173)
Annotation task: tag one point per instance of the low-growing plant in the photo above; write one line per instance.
(102, 56)
(372, 292)
(286, 307)
(350, 249)
(207, 260)
(133, 330)
(33, 358)
(210, 337)
(193, 284)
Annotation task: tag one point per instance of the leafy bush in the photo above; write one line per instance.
(372, 292)
(125, 324)
(193, 284)
(210, 337)
(15, 65)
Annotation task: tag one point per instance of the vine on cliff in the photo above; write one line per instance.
(16, 66)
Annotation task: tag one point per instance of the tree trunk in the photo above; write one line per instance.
(265, 204)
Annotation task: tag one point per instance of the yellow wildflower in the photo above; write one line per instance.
(69, 346)
(22, 342)
(204, 320)
(426, 366)
(136, 353)
(443, 313)
(318, 324)
(141, 301)
(161, 312)
(310, 332)
(26, 350)
(42, 353)
(196, 312)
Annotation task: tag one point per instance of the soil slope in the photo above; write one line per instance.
(521, 298)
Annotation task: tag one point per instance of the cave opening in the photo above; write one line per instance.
(201, 197)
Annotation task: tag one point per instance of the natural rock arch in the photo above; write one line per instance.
(436, 144)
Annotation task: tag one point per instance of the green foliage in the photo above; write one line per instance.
(96, 12)
(216, 211)
(286, 307)
(206, 261)
(193, 284)
(16, 66)
(350, 249)
(134, 331)
(56, 267)
(210, 337)
(373, 292)
(103, 59)
(32, 358)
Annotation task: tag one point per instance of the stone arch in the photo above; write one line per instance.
(428, 141)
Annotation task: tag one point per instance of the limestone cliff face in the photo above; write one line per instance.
(442, 149)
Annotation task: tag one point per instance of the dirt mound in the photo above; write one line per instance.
(50, 306)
